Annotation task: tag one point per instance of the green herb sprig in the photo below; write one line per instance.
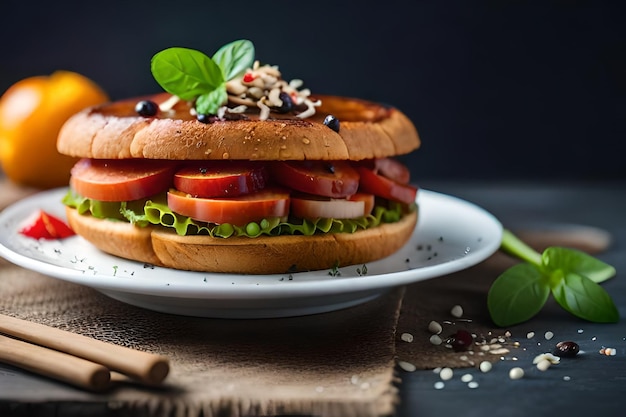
(571, 276)
(193, 76)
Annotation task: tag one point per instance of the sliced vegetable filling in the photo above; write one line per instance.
(225, 198)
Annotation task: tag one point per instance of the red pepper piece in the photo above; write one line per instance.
(46, 226)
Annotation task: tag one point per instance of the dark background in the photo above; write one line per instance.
(497, 89)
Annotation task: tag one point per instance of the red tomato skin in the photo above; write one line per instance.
(380, 186)
(336, 179)
(238, 211)
(389, 168)
(121, 179)
(46, 226)
(220, 179)
(393, 169)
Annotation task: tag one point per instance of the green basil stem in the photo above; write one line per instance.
(512, 245)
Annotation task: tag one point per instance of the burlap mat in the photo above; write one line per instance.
(335, 364)
(329, 364)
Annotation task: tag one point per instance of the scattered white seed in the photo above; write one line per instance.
(457, 311)
(554, 360)
(365, 385)
(439, 385)
(566, 378)
(437, 370)
(467, 377)
(354, 379)
(501, 351)
(548, 335)
(543, 365)
(547, 357)
(580, 331)
(435, 340)
(485, 366)
(446, 374)
(530, 335)
(434, 327)
(407, 337)
(472, 384)
(516, 373)
(407, 366)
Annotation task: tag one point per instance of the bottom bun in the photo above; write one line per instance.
(242, 255)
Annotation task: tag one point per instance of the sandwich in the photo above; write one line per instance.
(233, 169)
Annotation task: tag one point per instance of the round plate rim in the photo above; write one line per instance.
(296, 288)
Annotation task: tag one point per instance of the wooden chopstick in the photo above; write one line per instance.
(54, 364)
(142, 366)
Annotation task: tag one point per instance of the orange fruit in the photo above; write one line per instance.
(32, 112)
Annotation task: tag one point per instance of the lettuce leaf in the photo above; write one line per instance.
(154, 210)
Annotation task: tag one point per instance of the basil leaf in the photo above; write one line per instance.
(572, 276)
(186, 73)
(235, 58)
(209, 103)
(578, 262)
(517, 295)
(586, 299)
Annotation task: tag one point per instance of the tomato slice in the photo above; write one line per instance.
(121, 179)
(380, 186)
(337, 179)
(393, 169)
(238, 211)
(389, 168)
(221, 178)
(43, 225)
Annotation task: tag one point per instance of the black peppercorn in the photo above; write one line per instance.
(287, 105)
(146, 108)
(566, 349)
(332, 122)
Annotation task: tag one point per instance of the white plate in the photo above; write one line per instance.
(451, 235)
